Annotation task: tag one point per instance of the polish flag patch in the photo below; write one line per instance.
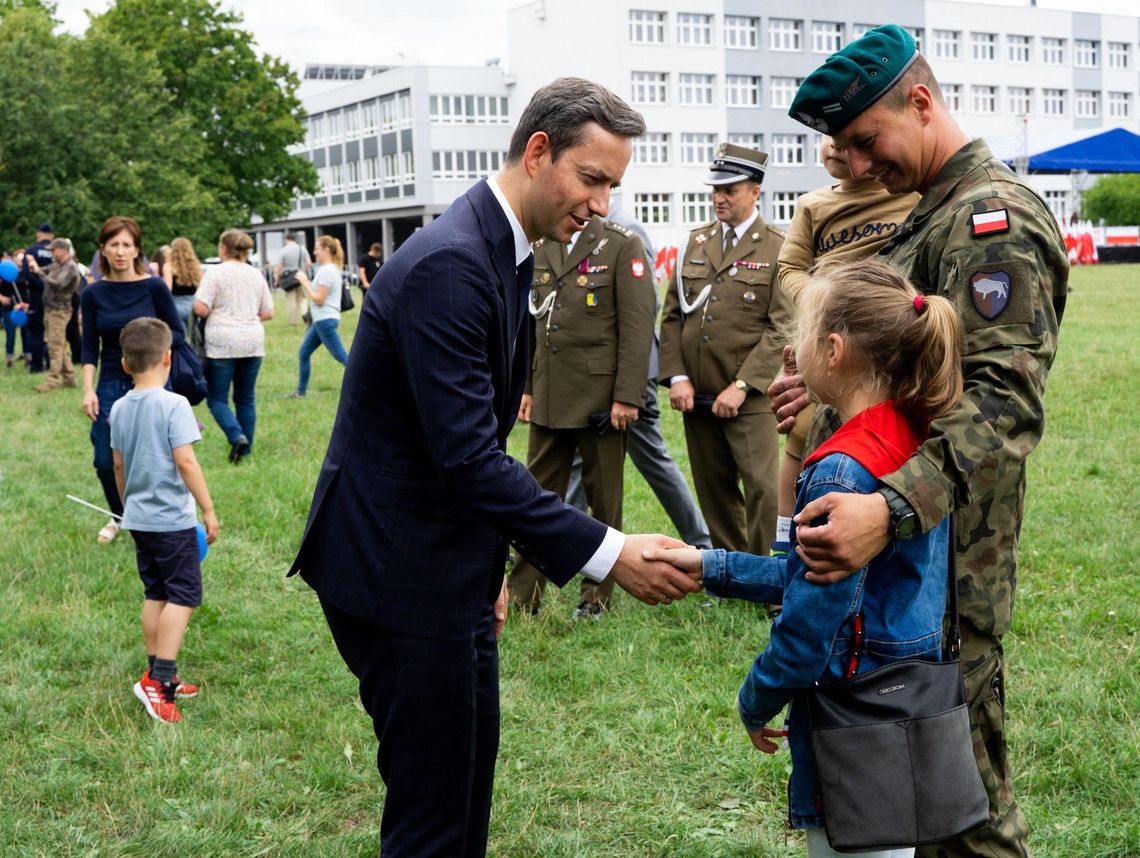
(637, 268)
(989, 223)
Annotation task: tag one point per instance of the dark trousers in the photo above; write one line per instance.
(74, 337)
(435, 709)
(35, 342)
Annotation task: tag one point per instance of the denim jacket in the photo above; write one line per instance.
(901, 592)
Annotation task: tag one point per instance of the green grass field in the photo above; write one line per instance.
(619, 738)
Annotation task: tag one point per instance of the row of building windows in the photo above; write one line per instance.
(656, 209)
(466, 164)
(696, 29)
(387, 113)
(1024, 101)
(1020, 49)
(469, 110)
(647, 27)
(379, 171)
(699, 90)
(655, 148)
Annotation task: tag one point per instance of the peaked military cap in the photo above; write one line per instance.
(853, 79)
(735, 164)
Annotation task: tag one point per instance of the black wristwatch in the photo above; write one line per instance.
(903, 523)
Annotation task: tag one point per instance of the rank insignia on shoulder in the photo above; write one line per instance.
(637, 268)
(990, 291)
(989, 223)
(619, 228)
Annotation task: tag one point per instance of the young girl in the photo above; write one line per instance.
(889, 360)
(324, 294)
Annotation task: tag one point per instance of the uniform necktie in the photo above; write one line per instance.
(729, 241)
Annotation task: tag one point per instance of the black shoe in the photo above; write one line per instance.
(588, 611)
(238, 449)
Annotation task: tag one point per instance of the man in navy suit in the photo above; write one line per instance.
(417, 499)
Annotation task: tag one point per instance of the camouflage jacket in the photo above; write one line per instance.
(982, 239)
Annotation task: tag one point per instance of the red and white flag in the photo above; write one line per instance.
(988, 223)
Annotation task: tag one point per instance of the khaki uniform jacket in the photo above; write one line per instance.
(739, 331)
(591, 345)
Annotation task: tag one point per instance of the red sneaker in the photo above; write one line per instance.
(185, 690)
(158, 699)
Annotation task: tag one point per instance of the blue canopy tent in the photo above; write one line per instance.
(1113, 150)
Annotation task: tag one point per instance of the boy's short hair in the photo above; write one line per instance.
(144, 341)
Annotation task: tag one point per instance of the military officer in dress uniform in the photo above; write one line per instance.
(722, 337)
(592, 307)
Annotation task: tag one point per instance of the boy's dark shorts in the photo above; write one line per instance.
(169, 566)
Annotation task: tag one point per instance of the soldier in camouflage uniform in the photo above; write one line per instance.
(981, 238)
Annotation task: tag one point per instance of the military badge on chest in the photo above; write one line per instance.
(990, 291)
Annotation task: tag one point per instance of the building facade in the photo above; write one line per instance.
(394, 146)
(707, 71)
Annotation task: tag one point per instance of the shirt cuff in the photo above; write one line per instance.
(677, 378)
(599, 566)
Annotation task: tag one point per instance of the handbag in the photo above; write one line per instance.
(186, 375)
(288, 280)
(894, 751)
(346, 302)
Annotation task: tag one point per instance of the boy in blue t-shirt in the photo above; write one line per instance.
(152, 433)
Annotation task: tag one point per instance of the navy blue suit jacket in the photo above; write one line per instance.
(417, 498)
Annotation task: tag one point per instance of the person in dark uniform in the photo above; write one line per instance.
(722, 338)
(368, 265)
(592, 307)
(32, 285)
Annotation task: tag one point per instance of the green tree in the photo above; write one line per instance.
(1114, 198)
(88, 132)
(244, 106)
(34, 114)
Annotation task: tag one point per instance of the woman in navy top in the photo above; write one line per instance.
(126, 291)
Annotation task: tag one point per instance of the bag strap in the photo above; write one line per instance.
(953, 634)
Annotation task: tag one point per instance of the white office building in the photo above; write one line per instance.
(394, 145)
(707, 71)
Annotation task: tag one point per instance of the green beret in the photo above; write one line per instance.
(850, 81)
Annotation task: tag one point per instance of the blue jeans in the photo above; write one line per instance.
(221, 373)
(109, 391)
(185, 306)
(320, 333)
(10, 335)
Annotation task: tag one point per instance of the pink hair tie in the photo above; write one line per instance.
(919, 303)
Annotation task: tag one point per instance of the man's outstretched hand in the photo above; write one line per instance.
(652, 581)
